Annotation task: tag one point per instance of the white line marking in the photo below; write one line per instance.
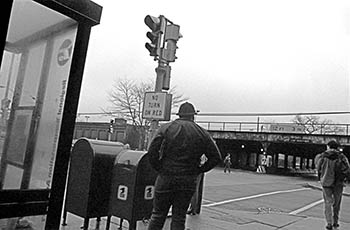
(302, 209)
(254, 196)
(208, 201)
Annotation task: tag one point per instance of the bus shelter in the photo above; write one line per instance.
(43, 48)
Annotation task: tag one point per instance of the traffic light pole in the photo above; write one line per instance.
(162, 46)
(158, 88)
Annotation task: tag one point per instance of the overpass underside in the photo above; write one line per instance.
(284, 152)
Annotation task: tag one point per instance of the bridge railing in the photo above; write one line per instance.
(331, 129)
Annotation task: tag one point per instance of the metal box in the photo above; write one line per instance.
(90, 178)
(132, 187)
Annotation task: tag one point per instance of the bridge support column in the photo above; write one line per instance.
(313, 163)
(302, 165)
(307, 163)
(294, 160)
(248, 156)
(275, 163)
(285, 161)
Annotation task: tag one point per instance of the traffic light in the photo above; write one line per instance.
(110, 128)
(163, 76)
(157, 26)
(172, 35)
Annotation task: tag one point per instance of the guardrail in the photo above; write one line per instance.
(329, 129)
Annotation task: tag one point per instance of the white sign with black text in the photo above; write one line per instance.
(157, 105)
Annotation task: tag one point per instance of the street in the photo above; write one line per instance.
(241, 197)
(264, 193)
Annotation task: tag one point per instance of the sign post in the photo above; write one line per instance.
(163, 36)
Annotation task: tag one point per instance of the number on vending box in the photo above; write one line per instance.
(149, 192)
(122, 193)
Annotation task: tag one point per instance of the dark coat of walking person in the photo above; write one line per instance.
(227, 163)
(333, 168)
(175, 153)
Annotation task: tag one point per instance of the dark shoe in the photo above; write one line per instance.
(336, 225)
(191, 212)
(329, 226)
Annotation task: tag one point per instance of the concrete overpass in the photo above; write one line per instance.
(284, 151)
(247, 143)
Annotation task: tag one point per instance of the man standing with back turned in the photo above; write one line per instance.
(175, 153)
(332, 167)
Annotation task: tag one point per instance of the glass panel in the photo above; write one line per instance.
(35, 58)
(310, 164)
(19, 134)
(269, 161)
(290, 161)
(52, 108)
(281, 159)
(13, 181)
(298, 163)
(33, 82)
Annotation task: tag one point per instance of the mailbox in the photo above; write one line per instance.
(132, 187)
(90, 177)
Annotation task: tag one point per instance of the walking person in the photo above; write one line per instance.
(332, 167)
(175, 153)
(227, 163)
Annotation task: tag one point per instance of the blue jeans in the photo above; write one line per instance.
(175, 191)
(332, 200)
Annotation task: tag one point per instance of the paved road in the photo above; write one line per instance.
(236, 200)
(261, 193)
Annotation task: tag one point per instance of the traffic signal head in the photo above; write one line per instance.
(172, 35)
(156, 25)
(163, 76)
(172, 32)
(169, 51)
(152, 22)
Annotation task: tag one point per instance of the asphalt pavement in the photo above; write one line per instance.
(216, 218)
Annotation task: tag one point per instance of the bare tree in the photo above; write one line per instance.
(314, 124)
(127, 97)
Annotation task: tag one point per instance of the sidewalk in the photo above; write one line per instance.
(216, 218)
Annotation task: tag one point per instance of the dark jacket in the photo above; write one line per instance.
(327, 167)
(180, 153)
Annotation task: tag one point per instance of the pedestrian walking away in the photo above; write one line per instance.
(175, 153)
(227, 163)
(333, 168)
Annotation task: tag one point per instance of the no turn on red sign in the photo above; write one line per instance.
(157, 106)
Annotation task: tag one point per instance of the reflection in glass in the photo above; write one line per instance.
(33, 81)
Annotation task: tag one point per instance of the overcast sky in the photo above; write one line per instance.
(235, 56)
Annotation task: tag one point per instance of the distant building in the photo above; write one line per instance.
(117, 131)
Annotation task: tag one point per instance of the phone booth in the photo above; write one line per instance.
(42, 58)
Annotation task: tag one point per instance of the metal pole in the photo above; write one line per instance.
(158, 88)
